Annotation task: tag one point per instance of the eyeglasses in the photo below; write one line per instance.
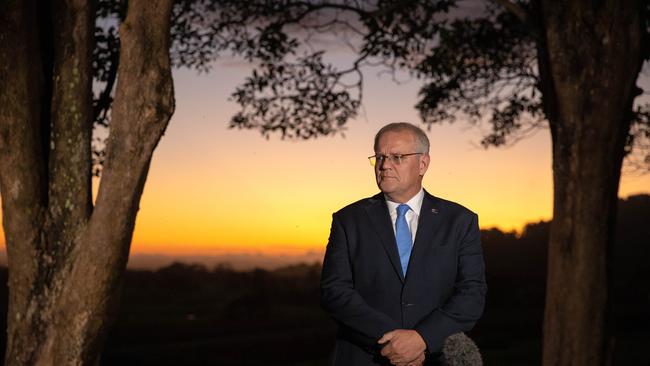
(393, 158)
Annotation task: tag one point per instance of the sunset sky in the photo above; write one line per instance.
(212, 190)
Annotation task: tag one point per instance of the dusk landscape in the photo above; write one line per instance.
(198, 314)
(166, 217)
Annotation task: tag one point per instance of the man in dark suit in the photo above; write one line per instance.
(403, 270)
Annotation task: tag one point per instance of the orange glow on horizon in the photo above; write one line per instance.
(211, 190)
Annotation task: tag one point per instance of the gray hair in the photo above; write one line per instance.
(421, 138)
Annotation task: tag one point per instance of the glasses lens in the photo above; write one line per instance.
(373, 160)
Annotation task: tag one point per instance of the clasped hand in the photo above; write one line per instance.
(403, 347)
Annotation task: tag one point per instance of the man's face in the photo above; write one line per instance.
(400, 182)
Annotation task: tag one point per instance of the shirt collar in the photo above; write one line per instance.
(415, 203)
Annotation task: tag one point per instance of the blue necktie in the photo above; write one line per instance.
(403, 236)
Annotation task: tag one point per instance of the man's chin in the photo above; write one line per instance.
(387, 188)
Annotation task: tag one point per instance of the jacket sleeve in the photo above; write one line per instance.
(465, 306)
(362, 324)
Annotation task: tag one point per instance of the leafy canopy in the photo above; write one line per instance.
(477, 62)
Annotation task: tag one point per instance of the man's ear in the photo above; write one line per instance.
(424, 163)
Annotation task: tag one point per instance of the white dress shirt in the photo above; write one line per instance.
(412, 215)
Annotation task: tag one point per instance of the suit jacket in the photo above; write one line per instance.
(364, 290)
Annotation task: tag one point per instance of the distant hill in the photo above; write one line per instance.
(236, 261)
(525, 256)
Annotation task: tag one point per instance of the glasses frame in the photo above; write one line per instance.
(393, 158)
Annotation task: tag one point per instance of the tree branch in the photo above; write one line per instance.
(70, 197)
(144, 103)
(515, 9)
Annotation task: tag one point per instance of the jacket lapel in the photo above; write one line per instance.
(378, 213)
(428, 223)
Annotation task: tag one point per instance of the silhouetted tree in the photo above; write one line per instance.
(67, 255)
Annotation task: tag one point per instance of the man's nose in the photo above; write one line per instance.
(384, 163)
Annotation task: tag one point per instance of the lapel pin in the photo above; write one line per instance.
(433, 210)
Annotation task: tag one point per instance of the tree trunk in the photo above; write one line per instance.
(592, 61)
(66, 258)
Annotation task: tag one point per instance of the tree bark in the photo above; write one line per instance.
(592, 59)
(66, 258)
(24, 127)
